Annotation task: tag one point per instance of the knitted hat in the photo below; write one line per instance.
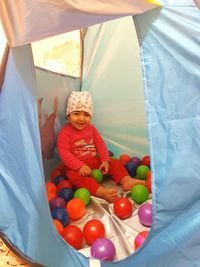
(79, 101)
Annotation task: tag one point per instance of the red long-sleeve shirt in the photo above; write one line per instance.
(75, 146)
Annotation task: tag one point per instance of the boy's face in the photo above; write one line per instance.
(79, 119)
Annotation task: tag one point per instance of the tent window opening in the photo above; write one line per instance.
(3, 42)
(61, 54)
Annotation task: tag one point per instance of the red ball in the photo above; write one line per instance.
(146, 161)
(123, 207)
(76, 208)
(73, 235)
(148, 181)
(124, 158)
(92, 230)
(63, 184)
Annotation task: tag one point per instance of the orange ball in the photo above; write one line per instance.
(148, 181)
(50, 187)
(58, 225)
(64, 184)
(51, 195)
(73, 235)
(124, 158)
(76, 208)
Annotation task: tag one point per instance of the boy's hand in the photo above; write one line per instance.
(85, 171)
(104, 167)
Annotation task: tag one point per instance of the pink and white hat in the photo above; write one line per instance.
(79, 101)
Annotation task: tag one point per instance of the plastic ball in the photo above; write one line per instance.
(145, 214)
(97, 175)
(58, 225)
(148, 181)
(142, 171)
(92, 230)
(64, 184)
(140, 238)
(103, 249)
(83, 194)
(73, 235)
(58, 179)
(57, 202)
(124, 158)
(131, 168)
(76, 208)
(51, 195)
(146, 161)
(61, 215)
(136, 160)
(123, 207)
(139, 193)
(66, 193)
(50, 187)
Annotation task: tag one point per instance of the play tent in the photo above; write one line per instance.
(169, 39)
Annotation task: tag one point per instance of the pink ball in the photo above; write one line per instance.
(145, 214)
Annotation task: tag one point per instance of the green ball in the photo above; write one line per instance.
(139, 193)
(97, 175)
(141, 172)
(83, 194)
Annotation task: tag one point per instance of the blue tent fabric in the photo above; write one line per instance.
(170, 59)
(25, 215)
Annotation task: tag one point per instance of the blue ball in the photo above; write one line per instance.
(58, 179)
(66, 193)
(131, 168)
(61, 215)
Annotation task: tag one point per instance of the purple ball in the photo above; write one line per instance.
(57, 202)
(131, 168)
(145, 214)
(136, 160)
(103, 249)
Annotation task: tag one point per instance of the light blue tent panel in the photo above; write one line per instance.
(170, 61)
